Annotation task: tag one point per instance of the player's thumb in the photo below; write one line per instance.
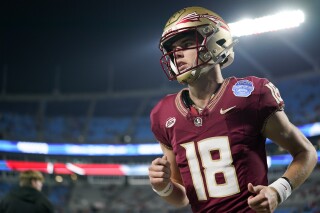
(166, 162)
(250, 188)
(254, 189)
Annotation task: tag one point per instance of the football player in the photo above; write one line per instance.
(213, 132)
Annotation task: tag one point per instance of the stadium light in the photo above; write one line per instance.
(279, 21)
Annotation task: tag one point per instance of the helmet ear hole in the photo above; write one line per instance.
(221, 42)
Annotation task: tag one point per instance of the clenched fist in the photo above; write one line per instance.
(264, 200)
(159, 173)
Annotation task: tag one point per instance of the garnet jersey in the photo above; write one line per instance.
(220, 150)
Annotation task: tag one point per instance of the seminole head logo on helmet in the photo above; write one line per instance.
(214, 44)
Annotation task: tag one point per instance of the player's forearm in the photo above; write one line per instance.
(302, 165)
(178, 196)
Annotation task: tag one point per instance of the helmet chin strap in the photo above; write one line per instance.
(174, 68)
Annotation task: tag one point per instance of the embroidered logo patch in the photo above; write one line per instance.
(170, 122)
(197, 121)
(243, 88)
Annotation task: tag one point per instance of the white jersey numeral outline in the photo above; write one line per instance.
(211, 167)
(275, 92)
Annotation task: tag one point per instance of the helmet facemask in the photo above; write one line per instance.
(169, 62)
(204, 56)
(214, 43)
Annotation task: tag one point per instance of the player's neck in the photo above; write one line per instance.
(205, 88)
(203, 94)
(202, 90)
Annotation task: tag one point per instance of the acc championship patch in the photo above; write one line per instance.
(243, 88)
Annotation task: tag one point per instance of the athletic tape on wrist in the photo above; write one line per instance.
(283, 187)
(166, 191)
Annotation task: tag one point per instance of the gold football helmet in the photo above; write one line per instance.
(213, 38)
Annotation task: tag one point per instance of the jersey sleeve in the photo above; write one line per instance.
(157, 127)
(270, 100)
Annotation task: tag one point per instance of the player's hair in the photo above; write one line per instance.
(27, 176)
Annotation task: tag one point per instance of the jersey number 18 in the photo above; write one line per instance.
(212, 167)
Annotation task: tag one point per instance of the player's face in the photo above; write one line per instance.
(185, 52)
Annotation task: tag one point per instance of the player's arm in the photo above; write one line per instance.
(164, 174)
(280, 130)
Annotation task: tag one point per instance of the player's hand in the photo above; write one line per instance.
(159, 173)
(265, 199)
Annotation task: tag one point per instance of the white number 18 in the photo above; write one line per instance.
(211, 167)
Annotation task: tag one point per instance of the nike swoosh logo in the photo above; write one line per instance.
(224, 111)
(284, 186)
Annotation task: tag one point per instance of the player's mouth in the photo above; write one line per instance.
(182, 66)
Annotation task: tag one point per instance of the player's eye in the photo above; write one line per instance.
(188, 44)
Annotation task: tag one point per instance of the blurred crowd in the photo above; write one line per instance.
(302, 105)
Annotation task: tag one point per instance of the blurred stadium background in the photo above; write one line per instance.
(79, 78)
